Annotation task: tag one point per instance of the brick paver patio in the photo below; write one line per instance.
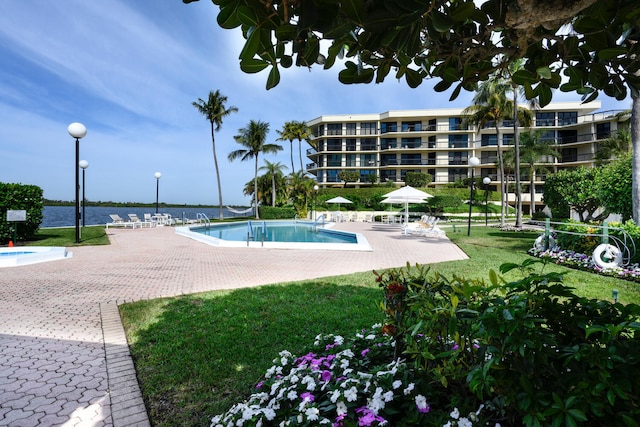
(64, 360)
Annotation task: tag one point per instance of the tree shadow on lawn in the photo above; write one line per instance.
(513, 241)
(205, 352)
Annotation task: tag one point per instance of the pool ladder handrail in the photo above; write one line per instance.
(202, 218)
(315, 223)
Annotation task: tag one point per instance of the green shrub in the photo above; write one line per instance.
(632, 232)
(578, 237)
(20, 197)
(269, 212)
(531, 351)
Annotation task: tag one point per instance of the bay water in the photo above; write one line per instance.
(64, 216)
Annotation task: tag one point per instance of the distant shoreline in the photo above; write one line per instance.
(134, 204)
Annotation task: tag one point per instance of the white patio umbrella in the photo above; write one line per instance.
(406, 195)
(339, 200)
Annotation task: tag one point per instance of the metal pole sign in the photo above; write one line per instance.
(16, 216)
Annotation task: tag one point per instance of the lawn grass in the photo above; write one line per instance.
(66, 236)
(196, 355)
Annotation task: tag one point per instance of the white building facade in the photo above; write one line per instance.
(438, 143)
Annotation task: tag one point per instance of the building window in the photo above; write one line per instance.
(332, 175)
(432, 125)
(488, 140)
(387, 143)
(350, 160)
(488, 157)
(318, 130)
(431, 159)
(457, 174)
(507, 139)
(334, 128)
(334, 160)
(368, 128)
(320, 146)
(388, 175)
(567, 136)
(567, 118)
(455, 123)
(411, 126)
(545, 118)
(351, 128)
(569, 155)
(458, 141)
(334, 144)
(350, 144)
(388, 127)
(364, 174)
(410, 159)
(603, 130)
(458, 158)
(431, 142)
(548, 136)
(367, 144)
(367, 160)
(410, 142)
(388, 160)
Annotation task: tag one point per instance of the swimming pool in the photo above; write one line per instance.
(15, 256)
(276, 234)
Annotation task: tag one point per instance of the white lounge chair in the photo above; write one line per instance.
(134, 218)
(117, 221)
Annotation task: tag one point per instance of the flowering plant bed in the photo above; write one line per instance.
(585, 262)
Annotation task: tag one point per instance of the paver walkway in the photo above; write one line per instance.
(64, 360)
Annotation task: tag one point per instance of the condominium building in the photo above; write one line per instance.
(440, 143)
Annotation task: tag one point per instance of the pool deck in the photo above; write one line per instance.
(64, 359)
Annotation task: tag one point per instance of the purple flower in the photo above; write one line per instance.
(259, 384)
(306, 396)
(365, 351)
(367, 417)
(326, 376)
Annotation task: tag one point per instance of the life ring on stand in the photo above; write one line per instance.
(539, 243)
(607, 256)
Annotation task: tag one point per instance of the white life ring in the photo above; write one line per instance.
(539, 243)
(607, 256)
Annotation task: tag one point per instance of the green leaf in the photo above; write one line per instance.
(441, 86)
(463, 11)
(227, 18)
(544, 94)
(493, 277)
(354, 10)
(251, 45)
(611, 53)
(413, 78)
(286, 61)
(524, 77)
(247, 16)
(544, 72)
(441, 22)
(252, 65)
(274, 77)
(506, 315)
(285, 32)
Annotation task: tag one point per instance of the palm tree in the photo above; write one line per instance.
(614, 147)
(301, 191)
(214, 110)
(253, 137)
(491, 106)
(295, 130)
(532, 151)
(274, 170)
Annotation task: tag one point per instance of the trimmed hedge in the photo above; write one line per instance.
(20, 197)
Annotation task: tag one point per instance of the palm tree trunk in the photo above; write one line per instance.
(215, 162)
(300, 152)
(503, 193)
(532, 190)
(273, 190)
(293, 168)
(255, 188)
(516, 143)
(635, 163)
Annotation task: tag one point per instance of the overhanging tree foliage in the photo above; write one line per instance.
(583, 46)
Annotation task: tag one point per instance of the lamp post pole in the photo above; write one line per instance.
(77, 131)
(486, 181)
(473, 162)
(84, 165)
(157, 175)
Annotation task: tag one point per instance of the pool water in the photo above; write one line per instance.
(276, 234)
(14, 256)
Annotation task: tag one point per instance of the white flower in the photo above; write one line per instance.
(312, 414)
(341, 408)
(409, 389)
(370, 337)
(292, 395)
(463, 422)
(334, 396)
(388, 396)
(421, 401)
(309, 381)
(396, 384)
(455, 414)
(338, 340)
(294, 379)
(351, 395)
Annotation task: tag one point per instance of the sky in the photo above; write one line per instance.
(130, 71)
